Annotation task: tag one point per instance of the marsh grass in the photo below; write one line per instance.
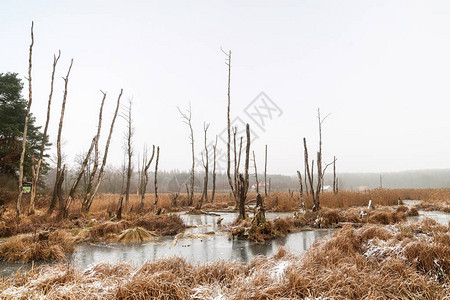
(405, 261)
(29, 247)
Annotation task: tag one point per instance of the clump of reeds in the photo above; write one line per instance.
(27, 247)
(407, 261)
(137, 234)
(167, 224)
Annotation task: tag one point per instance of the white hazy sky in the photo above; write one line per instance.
(381, 68)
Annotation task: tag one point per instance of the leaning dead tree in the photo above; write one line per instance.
(214, 173)
(205, 162)
(93, 172)
(84, 165)
(25, 128)
(57, 196)
(144, 175)
(244, 179)
(187, 119)
(35, 168)
(86, 204)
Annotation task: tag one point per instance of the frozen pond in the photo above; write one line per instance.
(207, 248)
(218, 246)
(199, 244)
(440, 217)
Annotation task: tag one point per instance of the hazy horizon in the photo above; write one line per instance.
(380, 69)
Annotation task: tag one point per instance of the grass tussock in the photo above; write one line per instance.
(373, 262)
(137, 234)
(159, 224)
(62, 237)
(26, 247)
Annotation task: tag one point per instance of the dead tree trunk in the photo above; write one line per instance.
(309, 173)
(206, 166)
(129, 148)
(59, 193)
(156, 178)
(319, 181)
(237, 164)
(96, 155)
(86, 205)
(321, 173)
(244, 180)
(25, 128)
(301, 186)
(58, 146)
(265, 172)
(214, 173)
(256, 173)
(187, 119)
(306, 181)
(77, 180)
(145, 177)
(36, 169)
(119, 208)
(230, 181)
(270, 185)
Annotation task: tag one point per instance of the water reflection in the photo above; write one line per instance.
(206, 249)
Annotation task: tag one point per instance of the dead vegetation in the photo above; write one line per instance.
(43, 246)
(410, 261)
(38, 238)
(325, 218)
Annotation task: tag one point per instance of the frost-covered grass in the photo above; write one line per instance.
(403, 261)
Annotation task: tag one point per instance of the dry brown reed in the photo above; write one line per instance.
(27, 247)
(409, 261)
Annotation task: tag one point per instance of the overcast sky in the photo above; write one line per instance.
(380, 68)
